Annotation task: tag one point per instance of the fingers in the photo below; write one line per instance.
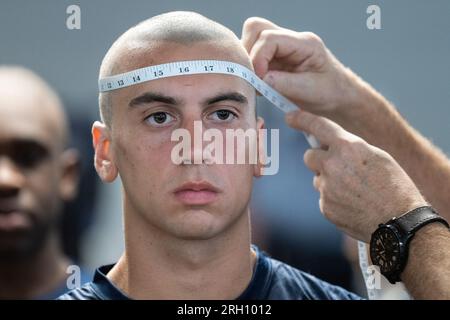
(252, 28)
(314, 159)
(291, 85)
(293, 47)
(325, 130)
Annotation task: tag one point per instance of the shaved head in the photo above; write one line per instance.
(22, 92)
(151, 36)
(136, 140)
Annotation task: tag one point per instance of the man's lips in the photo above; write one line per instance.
(12, 220)
(196, 193)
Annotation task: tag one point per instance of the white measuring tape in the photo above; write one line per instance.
(191, 67)
(200, 67)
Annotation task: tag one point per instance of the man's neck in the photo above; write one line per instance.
(158, 267)
(33, 276)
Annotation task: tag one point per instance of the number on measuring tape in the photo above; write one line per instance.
(184, 70)
(158, 73)
(230, 70)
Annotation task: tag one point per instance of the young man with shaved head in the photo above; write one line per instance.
(187, 228)
(37, 174)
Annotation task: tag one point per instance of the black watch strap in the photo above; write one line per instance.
(403, 229)
(417, 218)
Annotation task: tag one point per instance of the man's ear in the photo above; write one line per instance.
(68, 185)
(258, 168)
(103, 160)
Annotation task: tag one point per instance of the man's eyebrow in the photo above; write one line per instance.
(150, 97)
(24, 143)
(228, 96)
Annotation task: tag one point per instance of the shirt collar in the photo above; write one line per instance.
(257, 288)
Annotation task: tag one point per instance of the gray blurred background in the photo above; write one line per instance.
(407, 61)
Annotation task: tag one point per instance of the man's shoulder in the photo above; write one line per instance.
(85, 292)
(290, 283)
(274, 280)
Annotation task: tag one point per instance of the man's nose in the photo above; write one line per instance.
(11, 178)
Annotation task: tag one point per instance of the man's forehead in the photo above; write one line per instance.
(24, 129)
(137, 54)
(198, 89)
(29, 117)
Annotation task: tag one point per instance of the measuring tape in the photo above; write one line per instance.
(372, 294)
(200, 67)
(191, 67)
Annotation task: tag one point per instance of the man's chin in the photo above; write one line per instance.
(20, 244)
(15, 249)
(196, 224)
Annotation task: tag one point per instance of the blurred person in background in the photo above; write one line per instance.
(38, 175)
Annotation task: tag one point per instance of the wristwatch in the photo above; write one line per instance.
(389, 244)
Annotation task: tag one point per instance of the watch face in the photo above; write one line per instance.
(385, 250)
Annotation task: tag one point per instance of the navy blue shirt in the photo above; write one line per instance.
(85, 277)
(271, 280)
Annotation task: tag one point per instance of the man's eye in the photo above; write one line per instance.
(159, 118)
(29, 156)
(223, 115)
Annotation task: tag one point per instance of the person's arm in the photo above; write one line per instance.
(362, 186)
(377, 121)
(299, 65)
(427, 273)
